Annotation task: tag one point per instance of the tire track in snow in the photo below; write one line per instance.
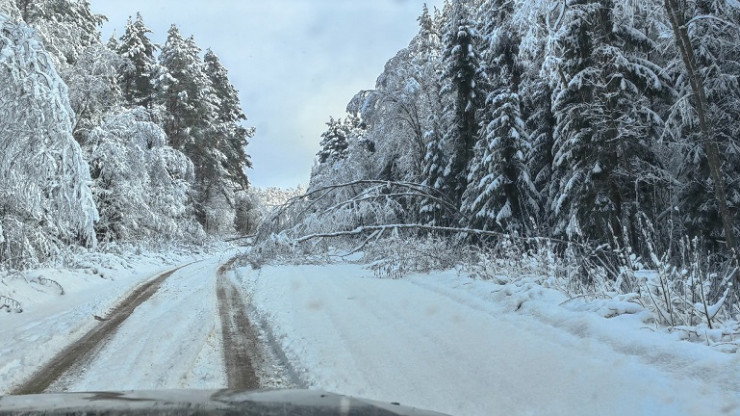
(83, 349)
(240, 342)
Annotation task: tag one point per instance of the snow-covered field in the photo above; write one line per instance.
(465, 347)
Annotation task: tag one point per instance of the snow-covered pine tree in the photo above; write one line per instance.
(221, 154)
(190, 105)
(606, 126)
(334, 142)
(137, 74)
(715, 34)
(185, 92)
(46, 203)
(230, 135)
(540, 122)
(113, 42)
(461, 82)
(431, 210)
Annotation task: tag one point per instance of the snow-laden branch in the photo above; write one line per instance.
(454, 230)
(421, 191)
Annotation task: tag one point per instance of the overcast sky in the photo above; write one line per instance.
(294, 62)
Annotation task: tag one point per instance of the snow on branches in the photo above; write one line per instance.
(46, 201)
(142, 186)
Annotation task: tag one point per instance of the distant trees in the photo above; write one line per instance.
(201, 119)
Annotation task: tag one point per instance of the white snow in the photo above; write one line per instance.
(439, 341)
(466, 347)
(51, 321)
(172, 341)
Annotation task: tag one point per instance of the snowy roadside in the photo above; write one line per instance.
(60, 304)
(469, 347)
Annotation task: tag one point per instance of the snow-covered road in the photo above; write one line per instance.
(166, 334)
(170, 341)
(437, 341)
(450, 344)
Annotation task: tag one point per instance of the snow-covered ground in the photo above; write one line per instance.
(51, 320)
(465, 347)
(171, 341)
(438, 341)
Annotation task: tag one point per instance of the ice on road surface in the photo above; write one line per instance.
(445, 343)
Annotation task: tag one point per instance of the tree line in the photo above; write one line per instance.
(597, 121)
(111, 142)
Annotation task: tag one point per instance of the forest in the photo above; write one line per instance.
(604, 122)
(584, 140)
(117, 142)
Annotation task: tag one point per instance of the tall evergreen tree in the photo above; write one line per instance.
(227, 130)
(540, 122)
(137, 75)
(500, 193)
(715, 34)
(461, 83)
(190, 109)
(605, 125)
(185, 92)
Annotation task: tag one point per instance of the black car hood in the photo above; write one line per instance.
(202, 402)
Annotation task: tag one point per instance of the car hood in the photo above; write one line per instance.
(202, 402)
